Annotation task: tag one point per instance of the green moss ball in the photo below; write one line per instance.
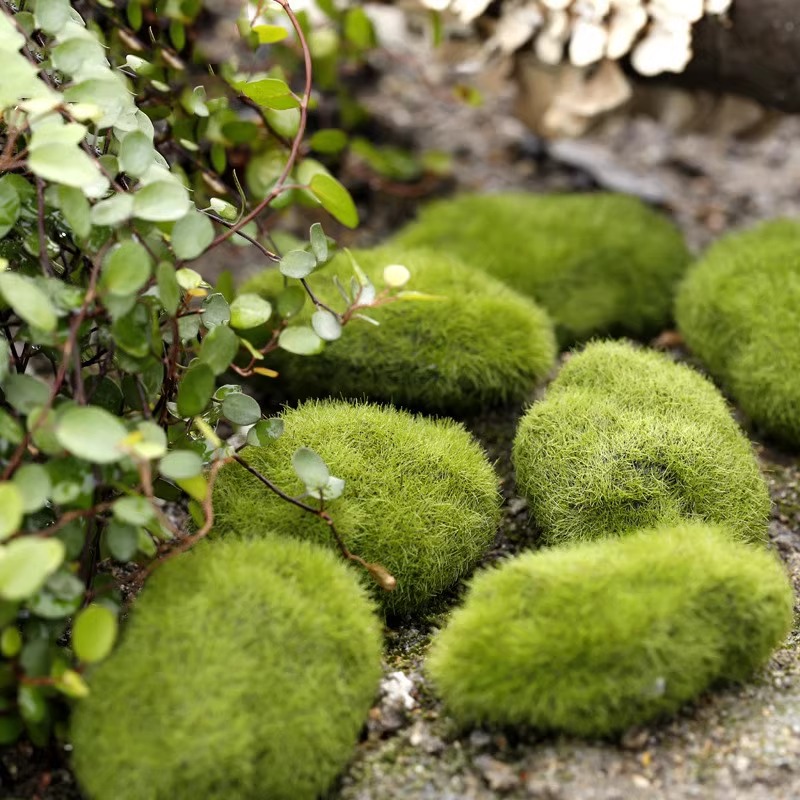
(739, 311)
(420, 497)
(246, 671)
(479, 344)
(598, 263)
(592, 639)
(627, 439)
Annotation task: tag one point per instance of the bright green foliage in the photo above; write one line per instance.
(245, 672)
(477, 343)
(593, 638)
(739, 311)
(626, 439)
(598, 263)
(420, 498)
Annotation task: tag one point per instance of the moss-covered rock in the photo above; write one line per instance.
(420, 497)
(739, 311)
(591, 639)
(246, 671)
(598, 263)
(627, 439)
(481, 344)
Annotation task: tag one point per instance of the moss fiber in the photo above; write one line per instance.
(598, 263)
(739, 311)
(246, 672)
(592, 639)
(481, 345)
(420, 497)
(627, 439)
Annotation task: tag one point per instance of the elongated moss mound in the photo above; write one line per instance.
(598, 263)
(739, 310)
(591, 639)
(480, 344)
(245, 672)
(627, 439)
(420, 497)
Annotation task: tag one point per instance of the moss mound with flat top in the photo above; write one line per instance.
(627, 439)
(592, 639)
(245, 671)
(480, 344)
(420, 497)
(739, 311)
(597, 263)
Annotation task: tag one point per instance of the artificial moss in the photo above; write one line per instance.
(420, 497)
(480, 344)
(246, 671)
(598, 263)
(625, 439)
(739, 311)
(594, 638)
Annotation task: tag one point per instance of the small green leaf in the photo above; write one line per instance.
(76, 210)
(27, 563)
(28, 300)
(328, 141)
(269, 93)
(335, 199)
(134, 510)
(265, 431)
(25, 392)
(10, 642)
(241, 409)
(12, 503)
(195, 390)
(300, 340)
(70, 166)
(10, 206)
(219, 348)
(270, 34)
(33, 482)
(192, 234)
(358, 28)
(169, 291)
(10, 429)
(94, 633)
(52, 15)
(180, 465)
(311, 469)
(319, 243)
(291, 301)
(333, 488)
(126, 269)
(114, 210)
(161, 201)
(31, 704)
(91, 433)
(215, 311)
(298, 264)
(136, 154)
(149, 441)
(122, 540)
(249, 311)
(326, 325)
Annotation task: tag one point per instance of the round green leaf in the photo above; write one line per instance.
(169, 290)
(33, 482)
(241, 409)
(134, 510)
(161, 201)
(75, 208)
(300, 340)
(126, 269)
(328, 140)
(136, 154)
(319, 242)
(67, 164)
(219, 348)
(249, 311)
(94, 633)
(25, 392)
(113, 211)
(335, 199)
(326, 325)
(10, 206)
(91, 433)
(192, 234)
(181, 464)
(265, 431)
(10, 642)
(215, 311)
(29, 301)
(311, 469)
(26, 563)
(52, 15)
(298, 264)
(122, 540)
(195, 390)
(153, 441)
(12, 504)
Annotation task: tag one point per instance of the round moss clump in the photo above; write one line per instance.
(739, 311)
(627, 439)
(478, 344)
(598, 263)
(246, 671)
(592, 639)
(420, 497)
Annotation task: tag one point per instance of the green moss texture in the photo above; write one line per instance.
(739, 311)
(627, 439)
(592, 639)
(598, 263)
(245, 672)
(481, 344)
(420, 497)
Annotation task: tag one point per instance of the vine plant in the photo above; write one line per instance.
(123, 162)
